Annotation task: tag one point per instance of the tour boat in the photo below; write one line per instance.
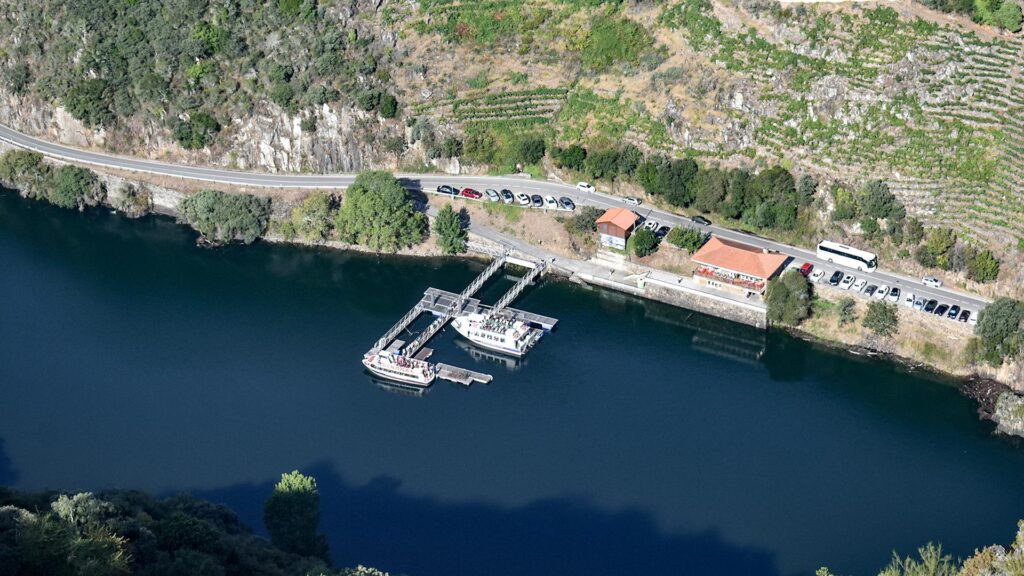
(497, 332)
(399, 368)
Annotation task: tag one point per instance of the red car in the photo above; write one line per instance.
(470, 193)
(806, 269)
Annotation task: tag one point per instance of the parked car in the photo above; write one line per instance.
(651, 225)
(941, 309)
(930, 306)
(931, 281)
(848, 281)
(537, 201)
(817, 275)
(700, 220)
(964, 316)
(632, 201)
(470, 193)
(836, 277)
(908, 300)
(662, 232)
(507, 197)
(567, 203)
(523, 199)
(445, 189)
(493, 195)
(586, 187)
(894, 295)
(550, 203)
(919, 304)
(860, 285)
(870, 290)
(973, 319)
(806, 269)
(954, 311)
(882, 292)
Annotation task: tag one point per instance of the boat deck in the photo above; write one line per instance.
(461, 375)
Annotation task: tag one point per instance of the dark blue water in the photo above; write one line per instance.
(636, 438)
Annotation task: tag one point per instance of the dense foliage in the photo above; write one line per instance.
(313, 221)
(942, 249)
(1001, 13)
(690, 239)
(67, 186)
(789, 298)
(1000, 331)
(644, 242)
(769, 199)
(122, 533)
(227, 217)
(292, 516)
(881, 318)
(451, 236)
(378, 214)
(584, 221)
(191, 64)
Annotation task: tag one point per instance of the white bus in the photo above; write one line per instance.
(847, 256)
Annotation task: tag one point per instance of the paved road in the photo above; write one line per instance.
(431, 181)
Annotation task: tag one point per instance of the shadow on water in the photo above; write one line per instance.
(376, 524)
(8, 475)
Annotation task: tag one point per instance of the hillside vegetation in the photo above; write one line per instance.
(844, 94)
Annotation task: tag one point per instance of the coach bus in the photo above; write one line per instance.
(847, 256)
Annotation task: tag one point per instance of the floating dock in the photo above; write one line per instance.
(446, 305)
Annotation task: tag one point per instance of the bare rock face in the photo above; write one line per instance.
(1009, 414)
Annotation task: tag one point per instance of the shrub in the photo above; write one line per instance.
(612, 40)
(227, 217)
(451, 236)
(847, 310)
(196, 132)
(292, 516)
(388, 106)
(881, 318)
(89, 101)
(584, 221)
(530, 150)
(644, 242)
(686, 238)
(74, 187)
(1000, 331)
(572, 157)
(983, 267)
(789, 298)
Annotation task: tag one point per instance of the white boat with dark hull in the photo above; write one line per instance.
(497, 332)
(398, 368)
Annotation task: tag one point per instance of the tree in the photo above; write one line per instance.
(687, 238)
(881, 318)
(451, 147)
(1009, 15)
(983, 267)
(196, 132)
(806, 187)
(530, 150)
(914, 231)
(1000, 330)
(584, 221)
(451, 236)
(709, 190)
(845, 205)
(292, 516)
(629, 159)
(74, 187)
(602, 164)
(674, 179)
(572, 157)
(878, 202)
(933, 563)
(869, 226)
(314, 220)
(847, 309)
(940, 242)
(227, 217)
(378, 214)
(644, 242)
(789, 298)
(89, 101)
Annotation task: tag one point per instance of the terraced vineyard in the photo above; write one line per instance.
(521, 106)
(937, 112)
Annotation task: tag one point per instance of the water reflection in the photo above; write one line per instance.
(398, 387)
(482, 356)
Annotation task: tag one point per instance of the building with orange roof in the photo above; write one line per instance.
(614, 227)
(734, 266)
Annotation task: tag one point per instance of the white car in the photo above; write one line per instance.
(859, 285)
(908, 300)
(652, 225)
(919, 303)
(523, 199)
(931, 281)
(894, 295)
(817, 275)
(492, 195)
(586, 187)
(847, 281)
(882, 292)
(973, 320)
(632, 201)
(550, 203)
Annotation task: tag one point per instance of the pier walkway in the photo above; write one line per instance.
(446, 305)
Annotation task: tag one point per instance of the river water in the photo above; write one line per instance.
(636, 437)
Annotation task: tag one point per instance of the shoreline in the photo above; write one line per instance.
(982, 389)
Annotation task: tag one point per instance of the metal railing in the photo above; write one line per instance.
(521, 285)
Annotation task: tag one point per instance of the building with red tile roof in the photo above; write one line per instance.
(614, 227)
(731, 265)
